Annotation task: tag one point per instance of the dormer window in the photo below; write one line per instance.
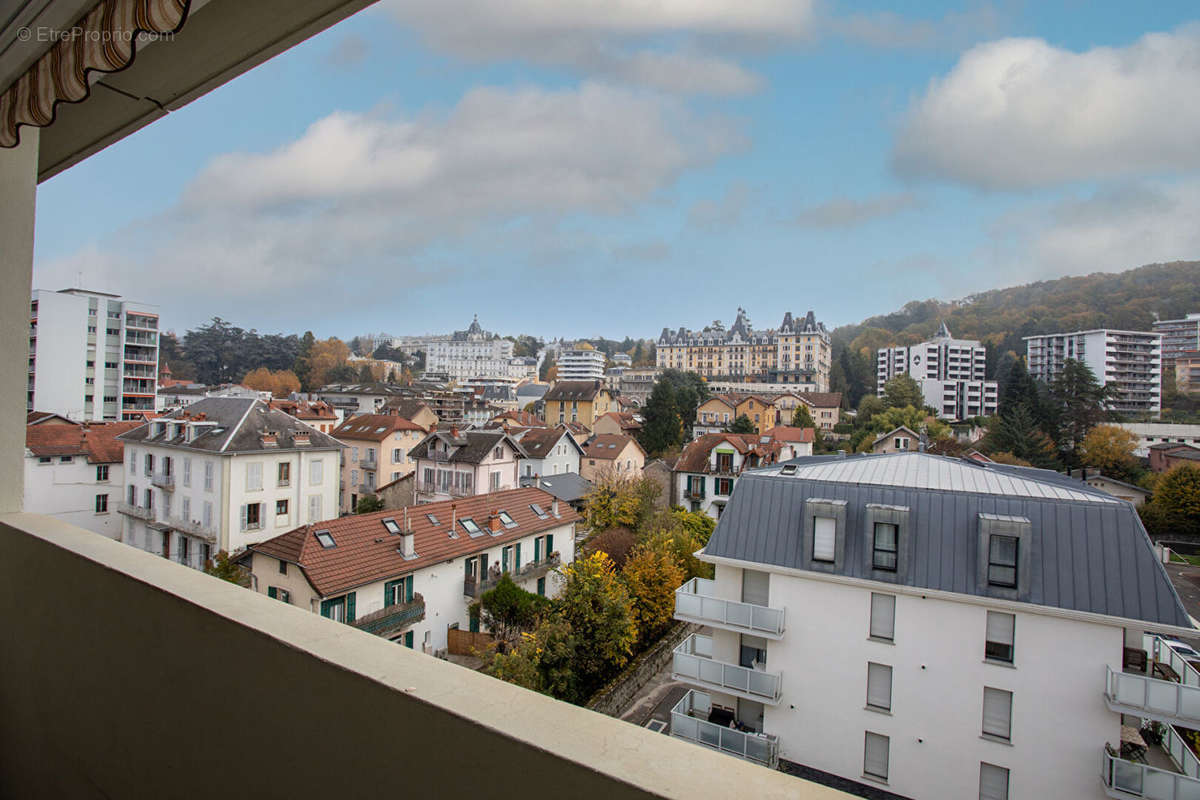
(1004, 550)
(1002, 561)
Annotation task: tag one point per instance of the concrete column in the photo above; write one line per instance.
(18, 193)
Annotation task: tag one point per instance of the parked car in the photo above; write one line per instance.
(1184, 651)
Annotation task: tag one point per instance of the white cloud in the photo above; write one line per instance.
(1019, 113)
(843, 212)
(377, 197)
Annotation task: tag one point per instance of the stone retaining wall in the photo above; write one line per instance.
(616, 696)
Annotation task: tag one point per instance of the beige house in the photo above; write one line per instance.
(900, 440)
(617, 422)
(377, 451)
(715, 414)
(612, 454)
(824, 407)
(414, 411)
(577, 401)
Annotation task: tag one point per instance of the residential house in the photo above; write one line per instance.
(617, 422)
(454, 463)
(659, 471)
(548, 451)
(76, 471)
(709, 467)
(577, 401)
(715, 414)
(361, 398)
(576, 429)
(611, 454)
(1118, 489)
(400, 492)
(759, 410)
(958, 588)
(568, 487)
(316, 414)
(902, 439)
(377, 451)
(824, 407)
(1165, 455)
(411, 575)
(516, 419)
(413, 410)
(223, 473)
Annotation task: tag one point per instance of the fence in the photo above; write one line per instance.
(466, 643)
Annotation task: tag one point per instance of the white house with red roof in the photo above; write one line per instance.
(709, 467)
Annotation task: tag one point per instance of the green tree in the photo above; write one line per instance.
(227, 569)
(544, 661)
(902, 391)
(597, 606)
(802, 417)
(620, 502)
(1077, 401)
(682, 533)
(662, 427)
(368, 503)
(1017, 433)
(303, 364)
(742, 424)
(508, 610)
(1177, 498)
(652, 574)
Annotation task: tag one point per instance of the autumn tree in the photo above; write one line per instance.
(1177, 497)
(326, 356)
(620, 502)
(544, 661)
(597, 606)
(652, 574)
(279, 383)
(617, 543)
(1110, 448)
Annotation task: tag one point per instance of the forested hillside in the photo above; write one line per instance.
(1000, 317)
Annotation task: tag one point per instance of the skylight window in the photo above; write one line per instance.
(432, 519)
(788, 469)
(469, 526)
(391, 526)
(380, 429)
(507, 519)
(537, 509)
(326, 539)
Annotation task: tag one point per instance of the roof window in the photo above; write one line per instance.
(507, 519)
(469, 526)
(391, 525)
(326, 539)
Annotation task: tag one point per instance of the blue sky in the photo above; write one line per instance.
(609, 168)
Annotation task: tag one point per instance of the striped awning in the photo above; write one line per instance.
(104, 40)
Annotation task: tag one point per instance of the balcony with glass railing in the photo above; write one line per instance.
(692, 662)
(696, 601)
(692, 720)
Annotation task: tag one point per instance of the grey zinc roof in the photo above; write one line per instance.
(240, 423)
(1088, 551)
(473, 446)
(570, 487)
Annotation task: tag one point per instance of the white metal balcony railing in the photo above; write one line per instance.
(760, 748)
(1157, 648)
(692, 662)
(1143, 696)
(1130, 779)
(695, 601)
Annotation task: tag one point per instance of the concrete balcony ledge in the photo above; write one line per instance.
(130, 510)
(192, 528)
(88, 733)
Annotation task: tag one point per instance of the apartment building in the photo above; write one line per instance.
(825, 408)
(92, 355)
(636, 383)
(797, 354)
(1150, 434)
(476, 353)
(377, 450)
(951, 373)
(1128, 361)
(1187, 371)
(75, 471)
(911, 625)
(221, 474)
(582, 363)
(706, 471)
(611, 455)
(411, 575)
(453, 463)
(1179, 336)
(581, 402)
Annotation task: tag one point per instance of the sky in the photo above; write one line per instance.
(581, 168)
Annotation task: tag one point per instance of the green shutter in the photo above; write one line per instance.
(408, 640)
(350, 607)
(466, 567)
(517, 562)
(271, 592)
(549, 544)
(541, 586)
(537, 549)
(408, 590)
(327, 607)
(474, 626)
(387, 593)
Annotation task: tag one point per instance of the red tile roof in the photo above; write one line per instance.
(525, 419)
(96, 440)
(608, 445)
(624, 419)
(790, 433)
(365, 552)
(374, 427)
(315, 410)
(694, 457)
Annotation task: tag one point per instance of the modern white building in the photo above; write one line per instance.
(951, 373)
(221, 474)
(1129, 361)
(580, 364)
(92, 355)
(1178, 337)
(411, 575)
(900, 624)
(75, 471)
(1152, 433)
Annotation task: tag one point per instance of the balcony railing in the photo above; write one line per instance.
(1129, 779)
(472, 587)
(1159, 650)
(427, 487)
(695, 601)
(689, 720)
(164, 480)
(192, 528)
(692, 662)
(1142, 696)
(390, 620)
(130, 510)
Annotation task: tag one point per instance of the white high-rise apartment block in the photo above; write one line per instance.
(221, 474)
(900, 622)
(1129, 361)
(92, 356)
(951, 373)
(580, 364)
(1179, 336)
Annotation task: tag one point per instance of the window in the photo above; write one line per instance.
(208, 509)
(283, 474)
(325, 538)
(824, 539)
(185, 546)
(281, 507)
(724, 486)
(353, 477)
(1002, 561)
(149, 464)
(254, 480)
(398, 592)
(314, 507)
(997, 713)
(495, 481)
(879, 687)
(875, 755)
(370, 455)
(499, 454)
(537, 509)
(282, 567)
(101, 473)
(149, 496)
(354, 454)
(45, 460)
(469, 526)
(883, 616)
(185, 509)
(252, 516)
(993, 782)
(187, 472)
(885, 546)
(507, 520)
(397, 456)
(1000, 630)
(433, 520)
(101, 504)
(316, 472)
(208, 476)
(279, 594)
(340, 609)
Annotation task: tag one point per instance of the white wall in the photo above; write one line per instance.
(1059, 720)
(561, 459)
(62, 354)
(68, 492)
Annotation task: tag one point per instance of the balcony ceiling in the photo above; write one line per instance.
(221, 40)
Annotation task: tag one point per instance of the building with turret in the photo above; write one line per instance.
(797, 353)
(476, 353)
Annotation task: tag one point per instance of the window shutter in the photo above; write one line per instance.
(517, 561)
(875, 755)
(1000, 627)
(244, 513)
(549, 544)
(350, 607)
(824, 538)
(756, 587)
(879, 686)
(997, 712)
(388, 592)
(537, 549)
(408, 589)
(993, 782)
(271, 592)
(883, 616)
(408, 640)
(326, 605)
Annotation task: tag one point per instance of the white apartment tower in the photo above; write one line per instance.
(580, 364)
(1179, 336)
(92, 356)
(1129, 361)
(951, 373)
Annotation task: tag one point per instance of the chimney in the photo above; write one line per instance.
(554, 507)
(300, 439)
(269, 439)
(453, 515)
(841, 453)
(407, 548)
(494, 522)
